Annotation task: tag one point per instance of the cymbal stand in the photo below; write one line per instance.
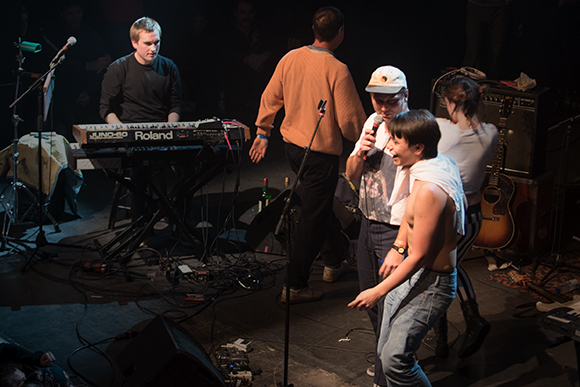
(12, 203)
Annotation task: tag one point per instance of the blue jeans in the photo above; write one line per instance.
(374, 242)
(410, 312)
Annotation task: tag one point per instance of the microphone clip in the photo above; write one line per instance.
(322, 107)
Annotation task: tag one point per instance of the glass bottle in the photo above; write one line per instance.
(265, 198)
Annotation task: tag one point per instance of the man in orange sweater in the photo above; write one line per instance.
(302, 78)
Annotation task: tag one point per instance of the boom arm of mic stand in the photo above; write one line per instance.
(35, 84)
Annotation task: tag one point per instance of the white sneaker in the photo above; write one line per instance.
(332, 274)
(546, 307)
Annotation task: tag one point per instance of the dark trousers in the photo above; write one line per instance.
(317, 222)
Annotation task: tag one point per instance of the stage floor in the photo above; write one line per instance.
(59, 303)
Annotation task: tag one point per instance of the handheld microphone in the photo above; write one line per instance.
(71, 41)
(377, 122)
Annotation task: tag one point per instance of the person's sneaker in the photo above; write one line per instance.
(331, 274)
(298, 296)
(371, 371)
(546, 307)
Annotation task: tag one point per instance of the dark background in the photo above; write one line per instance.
(422, 37)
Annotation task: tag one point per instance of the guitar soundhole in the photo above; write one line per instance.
(491, 195)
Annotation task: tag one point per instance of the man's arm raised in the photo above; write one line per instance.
(354, 164)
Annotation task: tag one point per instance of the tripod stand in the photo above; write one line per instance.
(283, 231)
(12, 214)
(38, 85)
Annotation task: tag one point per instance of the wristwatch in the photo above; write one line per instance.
(399, 249)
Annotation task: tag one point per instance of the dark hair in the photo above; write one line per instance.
(417, 127)
(466, 94)
(326, 23)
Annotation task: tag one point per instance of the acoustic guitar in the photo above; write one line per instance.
(498, 227)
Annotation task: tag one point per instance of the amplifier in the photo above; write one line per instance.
(532, 211)
(527, 126)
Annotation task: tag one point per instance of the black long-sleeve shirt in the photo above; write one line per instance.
(141, 93)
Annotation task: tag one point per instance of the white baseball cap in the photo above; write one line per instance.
(387, 80)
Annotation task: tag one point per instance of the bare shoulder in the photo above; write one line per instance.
(426, 190)
(428, 198)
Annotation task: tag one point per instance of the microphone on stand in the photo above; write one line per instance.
(377, 122)
(71, 41)
(322, 107)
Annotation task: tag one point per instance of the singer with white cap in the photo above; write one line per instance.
(372, 164)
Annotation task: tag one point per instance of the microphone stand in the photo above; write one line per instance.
(560, 203)
(38, 85)
(282, 236)
(12, 207)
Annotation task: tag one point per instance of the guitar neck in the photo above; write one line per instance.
(497, 159)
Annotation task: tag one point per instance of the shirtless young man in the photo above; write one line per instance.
(421, 287)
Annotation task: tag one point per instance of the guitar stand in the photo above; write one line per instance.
(558, 264)
(191, 181)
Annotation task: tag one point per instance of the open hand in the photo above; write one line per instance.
(390, 263)
(365, 300)
(258, 149)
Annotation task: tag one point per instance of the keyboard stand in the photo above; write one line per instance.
(207, 164)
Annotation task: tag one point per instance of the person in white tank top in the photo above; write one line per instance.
(472, 144)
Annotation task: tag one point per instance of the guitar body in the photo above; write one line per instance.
(498, 227)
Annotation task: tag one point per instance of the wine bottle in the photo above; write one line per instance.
(265, 198)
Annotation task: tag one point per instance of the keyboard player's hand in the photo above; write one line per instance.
(258, 149)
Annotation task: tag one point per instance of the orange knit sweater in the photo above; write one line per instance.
(302, 78)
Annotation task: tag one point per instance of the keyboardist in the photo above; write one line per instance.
(141, 87)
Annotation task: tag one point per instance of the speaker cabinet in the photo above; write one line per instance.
(260, 234)
(164, 354)
(527, 125)
(532, 211)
